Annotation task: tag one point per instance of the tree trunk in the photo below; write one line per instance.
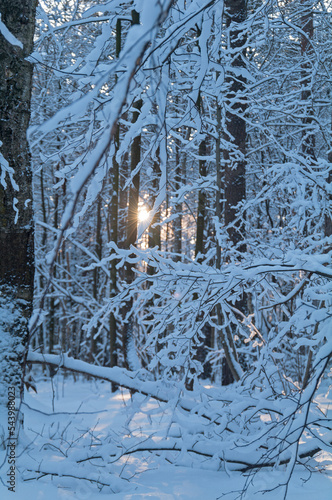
(201, 352)
(234, 184)
(234, 171)
(154, 228)
(114, 216)
(114, 222)
(16, 220)
(307, 21)
(95, 289)
(201, 208)
(132, 220)
(177, 223)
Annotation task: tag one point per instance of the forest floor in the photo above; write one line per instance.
(68, 420)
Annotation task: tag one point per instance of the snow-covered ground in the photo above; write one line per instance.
(70, 421)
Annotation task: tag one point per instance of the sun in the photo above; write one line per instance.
(143, 214)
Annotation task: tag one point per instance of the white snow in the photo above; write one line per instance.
(88, 419)
(8, 35)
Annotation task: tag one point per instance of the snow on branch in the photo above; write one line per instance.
(6, 169)
(269, 441)
(119, 376)
(9, 36)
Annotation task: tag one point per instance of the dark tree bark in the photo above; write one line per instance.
(154, 240)
(201, 207)
(234, 171)
(135, 158)
(199, 250)
(307, 21)
(177, 223)
(114, 223)
(154, 229)
(16, 226)
(234, 182)
(132, 220)
(96, 277)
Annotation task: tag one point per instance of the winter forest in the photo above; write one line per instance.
(165, 249)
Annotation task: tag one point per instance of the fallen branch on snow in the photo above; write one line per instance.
(131, 381)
